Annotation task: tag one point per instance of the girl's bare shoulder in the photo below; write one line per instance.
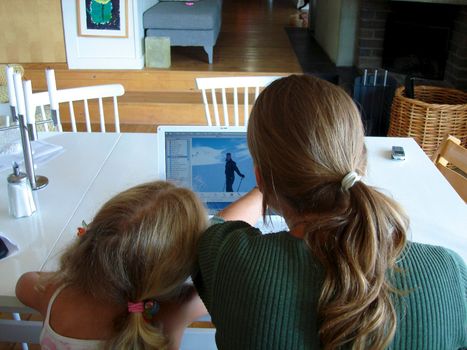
(31, 293)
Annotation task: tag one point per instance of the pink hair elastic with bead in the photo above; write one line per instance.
(148, 308)
(135, 307)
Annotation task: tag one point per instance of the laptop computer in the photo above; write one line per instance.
(214, 162)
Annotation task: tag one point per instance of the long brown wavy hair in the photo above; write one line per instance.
(140, 245)
(305, 135)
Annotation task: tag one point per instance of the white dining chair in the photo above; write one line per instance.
(230, 89)
(87, 95)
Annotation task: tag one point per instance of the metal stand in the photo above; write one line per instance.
(28, 134)
(373, 94)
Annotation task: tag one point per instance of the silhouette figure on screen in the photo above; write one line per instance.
(230, 168)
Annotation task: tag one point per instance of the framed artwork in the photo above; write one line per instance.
(103, 18)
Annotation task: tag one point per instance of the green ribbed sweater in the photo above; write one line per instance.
(262, 292)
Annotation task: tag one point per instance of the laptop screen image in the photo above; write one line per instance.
(215, 165)
(214, 162)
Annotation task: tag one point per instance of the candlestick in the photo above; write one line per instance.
(11, 93)
(30, 108)
(51, 85)
(52, 88)
(21, 109)
(11, 90)
(38, 181)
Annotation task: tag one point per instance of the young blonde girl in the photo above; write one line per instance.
(121, 284)
(344, 275)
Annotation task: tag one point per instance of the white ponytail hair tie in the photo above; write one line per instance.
(349, 180)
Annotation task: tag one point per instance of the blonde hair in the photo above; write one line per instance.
(305, 135)
(141, 244)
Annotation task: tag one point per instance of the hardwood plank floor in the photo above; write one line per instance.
(252, 39)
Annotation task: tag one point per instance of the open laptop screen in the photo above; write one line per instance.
(215, 165)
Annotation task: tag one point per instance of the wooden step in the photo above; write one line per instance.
(148, 80)
(144, 108)
(152, 97)
(154, 108)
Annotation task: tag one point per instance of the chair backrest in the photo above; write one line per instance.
(84, 94)
(229, 87)
(451, 160)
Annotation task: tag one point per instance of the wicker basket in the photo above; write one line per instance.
(434, 112)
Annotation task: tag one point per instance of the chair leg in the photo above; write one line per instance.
(17, 317)
(209, 50)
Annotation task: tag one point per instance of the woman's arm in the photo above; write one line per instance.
(248, 208)
(176, 316)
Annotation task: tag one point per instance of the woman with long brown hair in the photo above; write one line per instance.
(344, 275)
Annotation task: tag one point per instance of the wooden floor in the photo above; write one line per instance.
(252, 41)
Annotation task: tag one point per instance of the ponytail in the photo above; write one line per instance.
(134, 332)
(358, 247)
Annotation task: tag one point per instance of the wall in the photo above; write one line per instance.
(31, 31)
(85, 52)
(328, 14)
(348, 32)
(148, 3)
(456, 65)
(373, 15)
(335, 29)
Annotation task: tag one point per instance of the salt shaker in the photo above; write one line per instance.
(21, 201)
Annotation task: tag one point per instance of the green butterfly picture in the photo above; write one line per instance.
(100, 12)
(102, 18)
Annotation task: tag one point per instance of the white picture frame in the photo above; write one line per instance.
(102, 18)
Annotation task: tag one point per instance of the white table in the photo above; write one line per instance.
(438, 215)
(96, 166)
(70, 176)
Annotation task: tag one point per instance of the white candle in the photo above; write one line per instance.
(30, 108)
(52, 87)
(11, 86)
(19, 93)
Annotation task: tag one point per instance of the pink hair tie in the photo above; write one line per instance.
(135, 307)
(148, 308)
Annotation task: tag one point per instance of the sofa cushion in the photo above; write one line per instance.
(202, 15)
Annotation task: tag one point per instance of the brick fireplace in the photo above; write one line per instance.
(385, 29)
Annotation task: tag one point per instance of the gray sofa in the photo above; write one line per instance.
(196, 25)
